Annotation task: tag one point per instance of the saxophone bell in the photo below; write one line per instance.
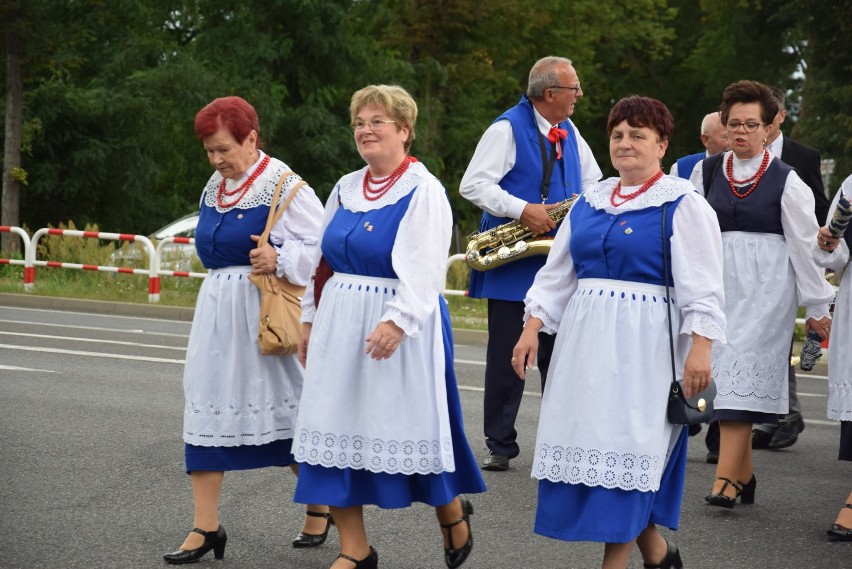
(511, 241)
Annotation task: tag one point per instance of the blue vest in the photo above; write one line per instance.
(760, 211)
(625, 247)
(513, 280)
(223, 239)
(686, 165)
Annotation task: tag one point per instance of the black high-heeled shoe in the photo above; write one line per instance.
(455, 557)
(721, 499)
(670, 561)
(747, 493)
(305, 539)
(214, 540)
(838, 532)
(369, 562)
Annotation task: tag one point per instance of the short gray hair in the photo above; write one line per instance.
(543, 75)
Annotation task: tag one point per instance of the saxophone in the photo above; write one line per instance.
(511, 241)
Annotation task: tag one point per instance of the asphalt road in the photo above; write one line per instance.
(91, 471)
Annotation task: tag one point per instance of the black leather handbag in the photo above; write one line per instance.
(683, 410)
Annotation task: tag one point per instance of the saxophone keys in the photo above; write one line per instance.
(504, 252)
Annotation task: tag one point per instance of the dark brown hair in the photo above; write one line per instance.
(749, 92)
(639, 112)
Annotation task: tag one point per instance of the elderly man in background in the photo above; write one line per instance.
(531, 158)
(714, 137)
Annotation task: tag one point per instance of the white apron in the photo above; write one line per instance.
(751, 370)
(395, 420)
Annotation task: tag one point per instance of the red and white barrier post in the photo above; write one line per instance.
(153, 278)
(29, 270)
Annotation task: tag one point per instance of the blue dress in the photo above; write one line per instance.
(608, 461)
(368, 431)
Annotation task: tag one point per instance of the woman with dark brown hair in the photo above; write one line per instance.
(610, 465)
(765, 213)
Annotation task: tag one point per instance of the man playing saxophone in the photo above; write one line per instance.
(531, 158)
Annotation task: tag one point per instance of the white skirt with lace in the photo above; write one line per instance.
(387, 415)
(603, 413)
(760, 305)
(840, 353)
(235, 395)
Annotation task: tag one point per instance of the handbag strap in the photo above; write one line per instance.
(675, 385)
(275, 215)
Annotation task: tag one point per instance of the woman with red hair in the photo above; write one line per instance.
(240, 405)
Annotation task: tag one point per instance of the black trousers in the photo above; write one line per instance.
(503, 388)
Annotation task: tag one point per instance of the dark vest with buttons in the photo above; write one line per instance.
(760, 211)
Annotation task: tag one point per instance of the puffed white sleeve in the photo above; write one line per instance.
(296, 235)
(554, 283)
(838, 258)
(309, 308)
(696, 246)
(697, 178)
(419, 257)
(800, 231)
(493, 158)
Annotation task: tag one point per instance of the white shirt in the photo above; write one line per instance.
(495, 157)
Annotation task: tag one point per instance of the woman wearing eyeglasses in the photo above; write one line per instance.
(765, 213)
(380, 419)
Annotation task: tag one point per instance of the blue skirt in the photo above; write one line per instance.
(246, 457)
(576, 512)
(345, 487)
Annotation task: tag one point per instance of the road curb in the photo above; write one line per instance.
(138, 310)
(97, 306)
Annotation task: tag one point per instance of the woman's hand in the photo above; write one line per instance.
(264, 259)
(384, 340)
(821, 326)
(524, 352)
(303, 343)
(696, 369)
(826, 241)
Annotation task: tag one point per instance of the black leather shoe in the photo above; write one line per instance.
(455, 557)
(838, 532)
(712, 457)
(495, 462)
(747, 493)
(786, 435)
(310, 539)
(214, 540)
(670, 561)
(760, 439)
(369, 562)
(722, 500)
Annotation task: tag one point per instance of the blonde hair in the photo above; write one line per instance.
(398, 103)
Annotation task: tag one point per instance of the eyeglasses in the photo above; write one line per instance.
(576, 89)
(749, 126)
(375, 124)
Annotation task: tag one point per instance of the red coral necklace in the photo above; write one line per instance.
(386, 183)
(616, 192)
(732, 182)
(243, 188)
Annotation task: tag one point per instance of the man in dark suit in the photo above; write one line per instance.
(806, 162)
